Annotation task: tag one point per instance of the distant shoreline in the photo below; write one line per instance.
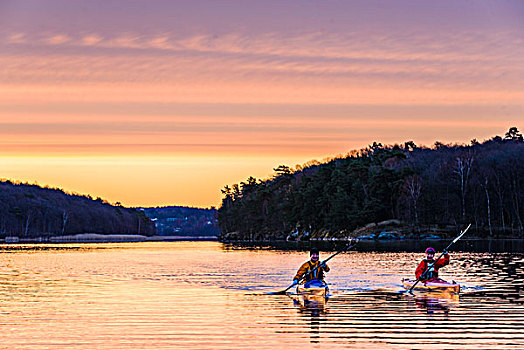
(100, 238)
(473, 244)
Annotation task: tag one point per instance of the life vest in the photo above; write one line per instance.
(432, 272)
(318, 274)
(306, 271)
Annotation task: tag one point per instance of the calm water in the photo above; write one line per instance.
(202, 295)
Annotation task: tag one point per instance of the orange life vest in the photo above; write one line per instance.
(307, 270)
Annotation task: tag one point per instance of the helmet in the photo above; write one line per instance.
(314, 250)
(430, 250)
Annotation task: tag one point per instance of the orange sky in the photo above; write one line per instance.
(165, 102)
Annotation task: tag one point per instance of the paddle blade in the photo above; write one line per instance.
(461, 234)
(281, 292)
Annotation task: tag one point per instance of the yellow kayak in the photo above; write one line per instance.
(316, 288)
(433, 286)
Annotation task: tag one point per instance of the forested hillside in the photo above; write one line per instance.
(423, 188)
(34, 211)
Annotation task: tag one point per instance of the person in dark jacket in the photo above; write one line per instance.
(422, 273)
(308, 268)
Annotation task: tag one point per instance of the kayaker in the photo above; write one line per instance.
(308, 271)
(422, 273)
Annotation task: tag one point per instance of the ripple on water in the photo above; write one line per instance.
(202, 296)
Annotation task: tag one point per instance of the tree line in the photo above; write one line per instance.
(28, 210)
(443, 186)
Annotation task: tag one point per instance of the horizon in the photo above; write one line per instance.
(163, 103)
(292, 168)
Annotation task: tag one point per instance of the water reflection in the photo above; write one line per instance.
(202, 296)
(315, 303)
(313, 309)
(432, 303)
(406, 245)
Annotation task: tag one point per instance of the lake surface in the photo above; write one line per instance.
(204, 295)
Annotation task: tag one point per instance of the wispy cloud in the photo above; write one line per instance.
(254, 79)
(57, 39)
(415, 60)
(405, 47)
(91, 39)
(16, 38)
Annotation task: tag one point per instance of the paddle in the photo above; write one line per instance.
(440, 256)
(347, 247)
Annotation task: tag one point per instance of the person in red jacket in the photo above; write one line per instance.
(422, 273)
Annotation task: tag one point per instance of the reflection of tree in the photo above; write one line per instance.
(505, 274)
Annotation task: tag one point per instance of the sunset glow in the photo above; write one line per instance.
(165, 102)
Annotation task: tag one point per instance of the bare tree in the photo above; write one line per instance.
(463, 166)
(500, 197)
(65, 216)
(413, 187)
(29, 216)
(485, 185)
(516, 206)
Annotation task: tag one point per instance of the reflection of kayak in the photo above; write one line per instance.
(311, 302)
(433, 286)
(313, 288)
(435, 302)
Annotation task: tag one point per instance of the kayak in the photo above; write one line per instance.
(435, 286)
(317, 288)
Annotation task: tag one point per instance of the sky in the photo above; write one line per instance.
(155, 103)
